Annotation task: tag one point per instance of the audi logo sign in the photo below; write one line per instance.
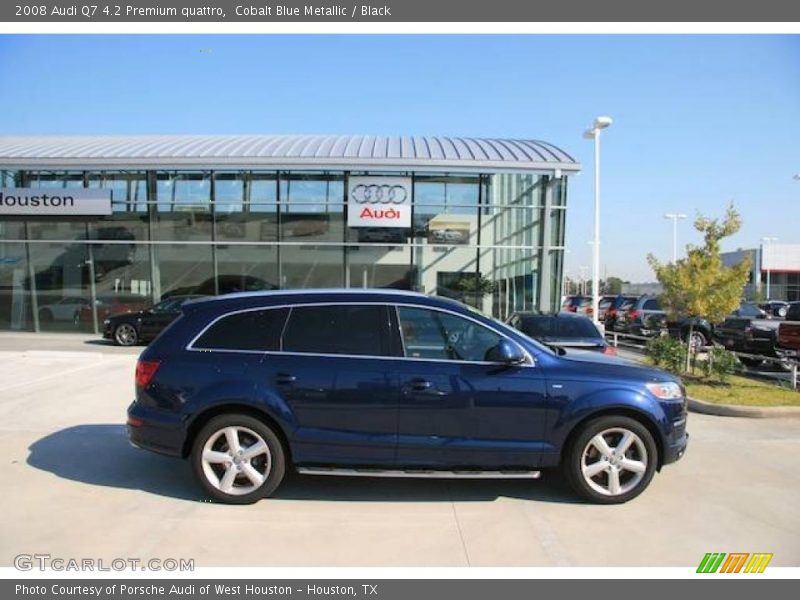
(379, 202)
(379, 194)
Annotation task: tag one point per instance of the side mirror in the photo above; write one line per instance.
(505, 353)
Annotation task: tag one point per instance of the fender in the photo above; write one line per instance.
(244, 393)
(574, 411)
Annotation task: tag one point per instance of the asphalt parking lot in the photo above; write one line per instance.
(75, 488)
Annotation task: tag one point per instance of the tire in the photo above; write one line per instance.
(249, 479)
(125, 334)
(584, 457)
(699, 339)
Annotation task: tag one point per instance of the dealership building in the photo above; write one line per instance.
(91, 225)
(774, 270)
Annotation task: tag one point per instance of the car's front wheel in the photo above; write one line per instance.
(611, 460)
(238, 459)
(125, 334)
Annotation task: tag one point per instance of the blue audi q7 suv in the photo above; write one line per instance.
(391, 383)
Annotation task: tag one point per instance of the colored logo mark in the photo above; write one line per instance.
(735, 562)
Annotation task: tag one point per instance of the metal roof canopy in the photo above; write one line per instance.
(284, 152)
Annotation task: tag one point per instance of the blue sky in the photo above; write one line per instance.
(699, 121)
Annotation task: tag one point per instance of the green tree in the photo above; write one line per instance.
(700, 285)
(613, 285)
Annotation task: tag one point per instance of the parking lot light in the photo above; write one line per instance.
(766, 245)
(674, 217)
(593, 133)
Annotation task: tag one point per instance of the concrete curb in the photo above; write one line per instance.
(752, 412)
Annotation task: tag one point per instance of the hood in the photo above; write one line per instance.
(615, 365)
(126, 316)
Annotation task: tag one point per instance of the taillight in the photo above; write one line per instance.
(145, 369)
(610, 350)
(611, 312)
(572, 308)
(633, 314)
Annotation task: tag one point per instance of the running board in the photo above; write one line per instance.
(429, 473)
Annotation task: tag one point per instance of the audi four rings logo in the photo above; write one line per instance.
(379, 194)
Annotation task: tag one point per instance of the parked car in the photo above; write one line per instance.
(748, 330)
(561, 330)
(108, 304)
(390, 383)
(646, 318)
(618, 306)
(775, 308)
(577, 304)
(131, 328)
(789, 332)
(603, 305)
(63, 310)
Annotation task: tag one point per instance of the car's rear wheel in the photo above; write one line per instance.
(125, 334)
(611, 460)
(698, 340)
(238, 459)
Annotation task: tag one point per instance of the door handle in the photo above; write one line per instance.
(284, 379)
(419, 385)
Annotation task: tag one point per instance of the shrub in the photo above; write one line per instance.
(667, 353)
(720, 364)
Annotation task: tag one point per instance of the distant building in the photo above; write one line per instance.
(642, 289)
(775, 270)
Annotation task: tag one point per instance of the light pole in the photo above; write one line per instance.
(593, 133)
(766, 242)
(674, 217)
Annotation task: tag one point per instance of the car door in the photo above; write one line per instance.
(337, 374)
(457, 409)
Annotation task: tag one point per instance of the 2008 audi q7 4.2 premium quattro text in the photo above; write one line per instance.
(389, 383)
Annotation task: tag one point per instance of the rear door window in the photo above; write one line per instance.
(361, 330)
(258, 330)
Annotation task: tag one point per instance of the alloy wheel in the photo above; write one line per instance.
(236, 460)
(126, 335)
(614, 461)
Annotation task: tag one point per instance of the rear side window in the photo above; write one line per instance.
(652, 305)
(338, 329)
(252, 330)
(625, 303)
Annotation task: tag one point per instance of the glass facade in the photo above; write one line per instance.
(494, 241)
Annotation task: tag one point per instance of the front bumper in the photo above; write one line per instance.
(675, 450)
(156, 430)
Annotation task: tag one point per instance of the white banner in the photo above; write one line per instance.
(379, 202)
(54, 202)
(780, 257)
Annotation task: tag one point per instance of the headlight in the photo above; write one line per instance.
(668, 390)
